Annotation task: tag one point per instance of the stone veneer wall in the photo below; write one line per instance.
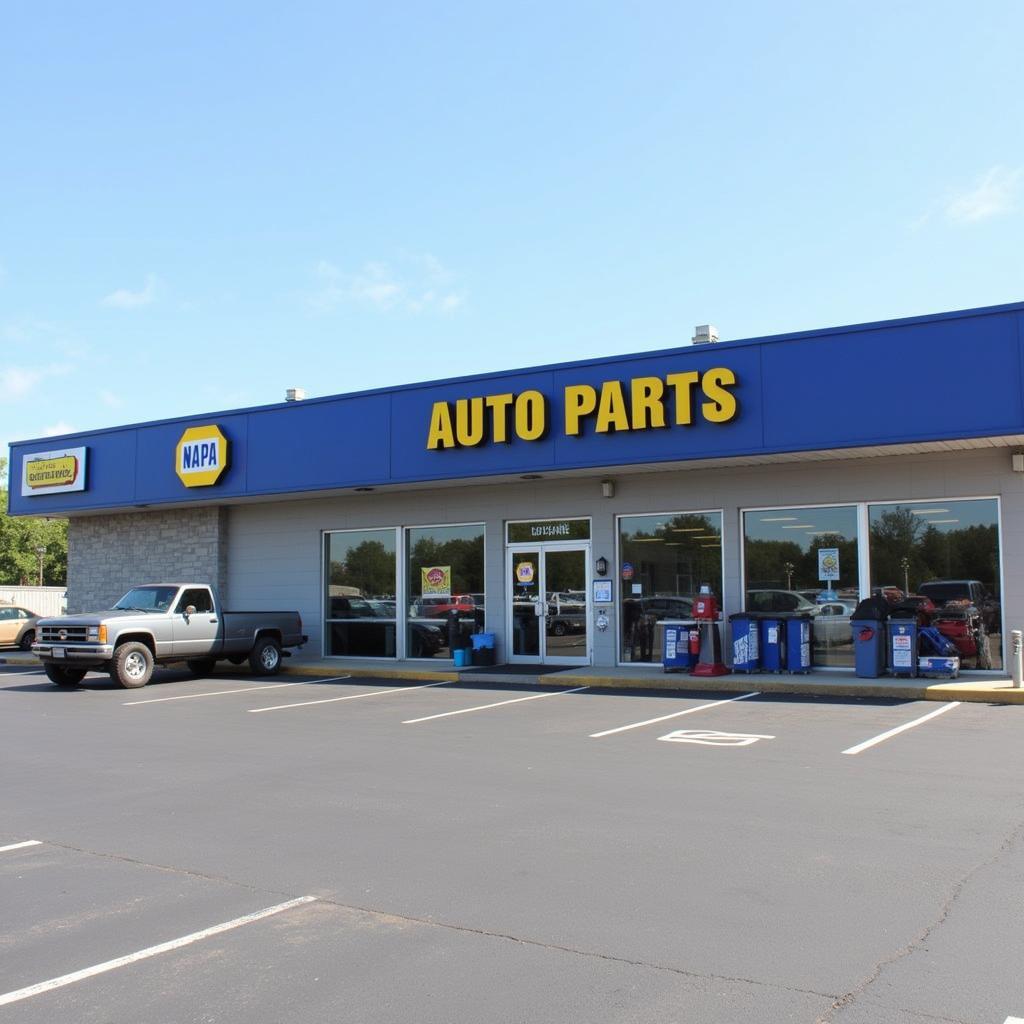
(110, 553)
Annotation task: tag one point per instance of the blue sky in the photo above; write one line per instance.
(201, 205)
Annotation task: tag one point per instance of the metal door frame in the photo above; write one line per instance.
(542, 548)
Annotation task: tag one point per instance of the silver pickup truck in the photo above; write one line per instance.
(160, 623)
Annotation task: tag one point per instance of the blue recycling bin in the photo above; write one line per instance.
(772, 637)
(746, 646)
(675, 655)
(799, 631)
(903, 647)
(868, 648)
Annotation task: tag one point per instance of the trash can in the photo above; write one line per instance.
(677, 652)
(869, 639)
(903, 647)
(798, 643)
(773, 639)
(746, 647)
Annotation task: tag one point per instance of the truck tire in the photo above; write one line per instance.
(201, 666)
(64, 676)
(132, 666)
(265, 657)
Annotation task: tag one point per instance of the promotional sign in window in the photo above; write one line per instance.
(436, 581)
(828, 564)
(55, 472)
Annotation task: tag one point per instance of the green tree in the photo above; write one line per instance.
(19, 539)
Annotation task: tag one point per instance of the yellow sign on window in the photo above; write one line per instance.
(436, 581)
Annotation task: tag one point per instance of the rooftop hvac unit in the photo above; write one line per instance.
(704, 334)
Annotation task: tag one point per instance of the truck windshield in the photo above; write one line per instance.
(147, 599)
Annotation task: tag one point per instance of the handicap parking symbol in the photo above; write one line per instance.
(713, 738)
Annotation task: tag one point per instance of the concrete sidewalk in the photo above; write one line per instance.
(971, 686)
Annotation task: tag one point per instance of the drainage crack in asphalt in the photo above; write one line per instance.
(466, 929)
(922, 936)
(555, 947)
(169, 868)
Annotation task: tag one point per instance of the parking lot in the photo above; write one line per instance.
(235, 849)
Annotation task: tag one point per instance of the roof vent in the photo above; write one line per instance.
(704, 334)
(295, 394)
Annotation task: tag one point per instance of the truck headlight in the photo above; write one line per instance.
(93, 633)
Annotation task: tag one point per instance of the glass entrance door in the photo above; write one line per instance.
(548, 620)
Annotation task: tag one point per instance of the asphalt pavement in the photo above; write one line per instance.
(234, 849)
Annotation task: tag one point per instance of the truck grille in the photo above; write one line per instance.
(64, 634)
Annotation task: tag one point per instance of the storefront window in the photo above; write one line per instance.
(359, 605)
(805, 561)
(663, 561)
(445, 583)
(941, 559)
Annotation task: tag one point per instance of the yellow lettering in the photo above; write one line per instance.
(683, 382)
(469, 421)
(611, 411)
(646, 404)
(531, 416)
(580, 401)
(440, 434)
(722, 405)
(499, 406)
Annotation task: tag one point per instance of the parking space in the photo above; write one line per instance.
(577, 853)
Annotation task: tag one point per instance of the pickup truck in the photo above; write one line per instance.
(162, 623)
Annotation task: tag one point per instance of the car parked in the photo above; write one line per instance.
(17, 627)
(974, 592)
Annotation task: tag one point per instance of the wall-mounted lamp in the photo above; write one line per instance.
(1017, 461)
(601, 566)
(608, 488)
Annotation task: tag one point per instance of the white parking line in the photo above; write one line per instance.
(675, 714)
(244, 689)
(1014, 1020)
(20, 846)
(500, 703)
(900, 728)
(142, 954)
(353, 696)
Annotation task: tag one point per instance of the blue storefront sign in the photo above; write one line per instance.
(741, 398)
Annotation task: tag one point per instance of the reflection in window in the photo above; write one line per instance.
(941, 559)
(445, 582)
(360, 604)
(785, 554)
(663, 561)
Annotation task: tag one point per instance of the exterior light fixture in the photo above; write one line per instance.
(601, 566)
(608, 488)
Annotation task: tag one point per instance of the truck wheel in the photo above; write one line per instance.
(132, 666)
(28, 640)
(265, 657)
(201, 666)
(64, 676)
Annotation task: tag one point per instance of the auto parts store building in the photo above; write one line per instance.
(570, 509)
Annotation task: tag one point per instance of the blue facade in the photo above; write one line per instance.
(942, 377)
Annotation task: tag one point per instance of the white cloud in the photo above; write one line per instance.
(993, 194)
(17, 383)
(60, 427)
(124, 298)
(416, 283)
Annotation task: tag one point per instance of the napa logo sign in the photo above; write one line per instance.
(201, 456)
